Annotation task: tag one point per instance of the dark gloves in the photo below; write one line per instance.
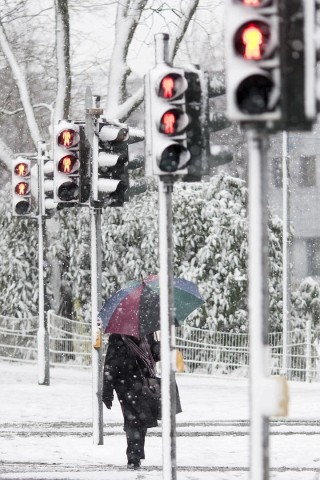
(155, 350)
(107, 402)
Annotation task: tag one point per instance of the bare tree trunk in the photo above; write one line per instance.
(21, 82)
(63, 60)
(128, 17)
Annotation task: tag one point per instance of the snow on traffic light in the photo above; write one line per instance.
(109, 177)
(253, 60)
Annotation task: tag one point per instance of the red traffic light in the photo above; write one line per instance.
(21, 169)
(171, 86)
(252, 40)
(169, 122)
(255, 3)
(173, 122)
(22, 188)
(252, 3)
(167, 87)
(68, 164)
(67, 138)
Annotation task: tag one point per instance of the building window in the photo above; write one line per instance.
(307, 171)
(277, 171)
(313, 256)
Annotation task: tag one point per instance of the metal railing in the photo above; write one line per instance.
(203, 351)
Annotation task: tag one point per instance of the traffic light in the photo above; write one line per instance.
(66, 171)
(253, 79)
(298, 63)
(109, 173)
(197, 109)
(21, 187)
(46, 205)
(166, 121)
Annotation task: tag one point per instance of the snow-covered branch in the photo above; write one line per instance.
(19, 110)
(128, 16)
(6, 155)
(22, 85)
(182, 27)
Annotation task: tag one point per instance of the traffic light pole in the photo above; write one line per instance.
(168, 351)
(97, 407)
(258, 302)
(43, 335)
(286, 323)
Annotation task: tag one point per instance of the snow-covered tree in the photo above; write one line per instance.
(210, 248)
(306, 304)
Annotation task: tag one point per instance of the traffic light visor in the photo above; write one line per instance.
(253, 94)
(172, 157)
(252, 40)
(68, 191)
(68, 164)
(67, 138)
(21, 169)
(23, 207)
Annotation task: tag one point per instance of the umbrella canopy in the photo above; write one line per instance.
(135, 309)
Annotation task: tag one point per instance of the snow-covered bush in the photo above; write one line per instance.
(18, 261)
(210, 238)
(306, 303)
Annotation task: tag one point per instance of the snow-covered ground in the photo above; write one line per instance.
(47, 431)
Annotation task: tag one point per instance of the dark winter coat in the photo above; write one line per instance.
(123, 374)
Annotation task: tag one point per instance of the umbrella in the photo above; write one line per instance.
(135, 308)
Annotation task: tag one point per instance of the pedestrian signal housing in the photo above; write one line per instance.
(253, 60)
(66, 171)
(166, 121)
(21, 187)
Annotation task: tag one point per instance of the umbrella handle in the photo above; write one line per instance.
(142, 278)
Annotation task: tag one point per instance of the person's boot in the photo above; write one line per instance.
(133, 464)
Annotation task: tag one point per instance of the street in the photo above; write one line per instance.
(46, 432)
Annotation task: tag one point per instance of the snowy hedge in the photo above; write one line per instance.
(210, 236)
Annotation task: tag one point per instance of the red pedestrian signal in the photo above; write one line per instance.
(22, 188)
(22, 169)
(66, 138)
(167, 89)
(256, 3)
(252, 39)
(68, 164)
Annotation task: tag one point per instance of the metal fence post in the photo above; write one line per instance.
(308, 349)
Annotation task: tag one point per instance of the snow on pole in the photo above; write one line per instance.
(42, 335)
(258, 303)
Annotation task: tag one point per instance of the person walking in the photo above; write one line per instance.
(128, 360)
